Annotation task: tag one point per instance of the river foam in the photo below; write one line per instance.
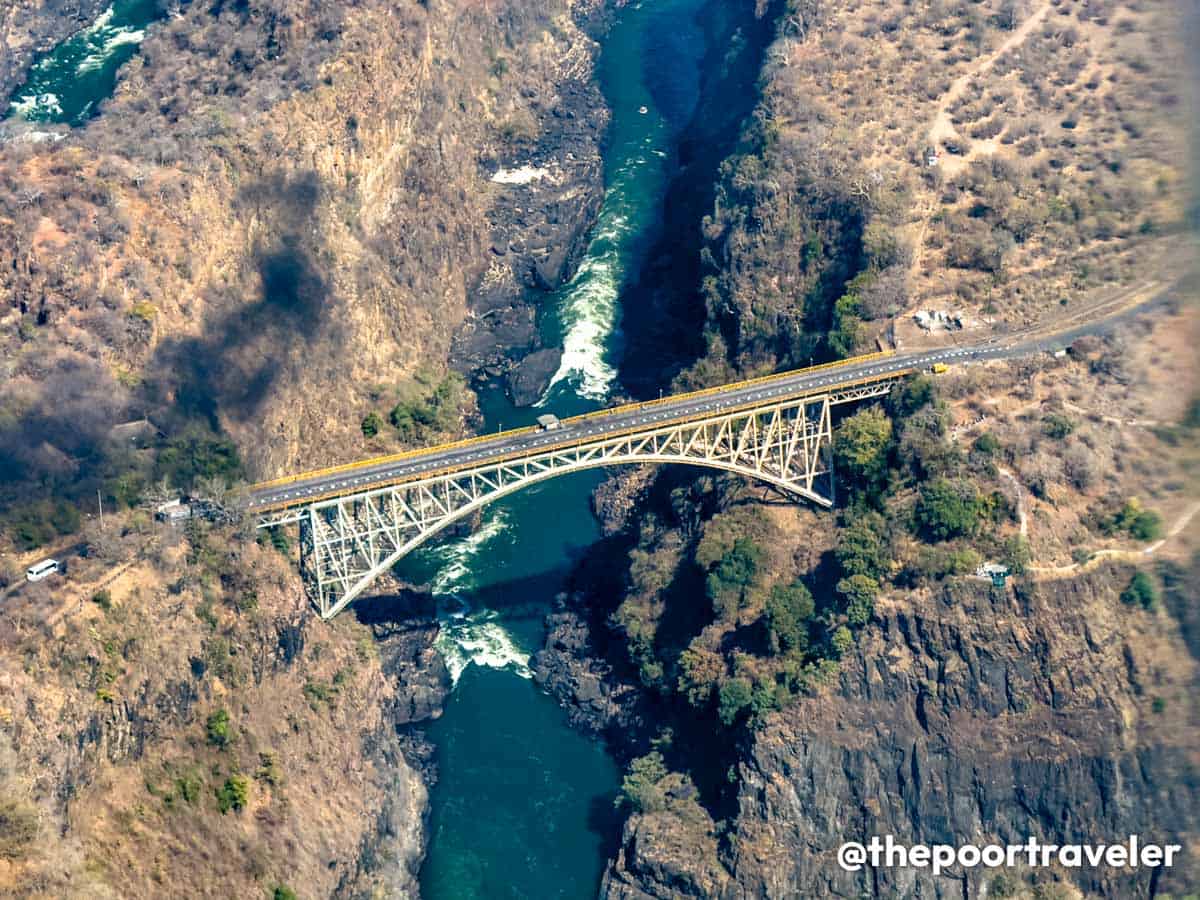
(469, 636)
(590, 309)
(589, 316)
(109, 40)
(65, 85)
(36, 107)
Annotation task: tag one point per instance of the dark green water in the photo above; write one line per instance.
(68, 83)
(523, 805)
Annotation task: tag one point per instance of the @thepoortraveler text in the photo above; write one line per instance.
(886, 852)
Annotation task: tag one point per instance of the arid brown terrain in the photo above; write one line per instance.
(286, 241)
(272, 233)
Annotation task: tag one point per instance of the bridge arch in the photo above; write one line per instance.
(347, 542)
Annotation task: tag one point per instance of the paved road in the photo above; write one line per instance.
(782, 387)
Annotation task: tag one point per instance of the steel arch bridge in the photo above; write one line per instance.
(356, 520)
(349, 539)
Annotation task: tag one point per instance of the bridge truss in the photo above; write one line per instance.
(348, 541)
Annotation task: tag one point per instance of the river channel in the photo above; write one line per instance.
(524, 804)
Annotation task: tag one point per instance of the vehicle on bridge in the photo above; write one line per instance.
(548, 422)
(938, 368)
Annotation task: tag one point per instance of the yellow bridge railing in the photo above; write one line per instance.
(562, 445)
(528, 430)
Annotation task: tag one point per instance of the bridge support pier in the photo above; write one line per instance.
(346, 542)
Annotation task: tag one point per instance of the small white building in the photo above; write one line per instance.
(173, 511)
(993, 571)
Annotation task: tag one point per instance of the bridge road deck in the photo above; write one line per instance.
(306, 488)
(300, 490)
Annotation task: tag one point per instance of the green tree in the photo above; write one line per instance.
(700, 670)
(987, 444)
(938, 562)
(1147, 527)
(1141, 591)
(639, 787)
(842, 640)
(735, 695)
(948, 510)
(436, 407)
(233, 794)
(911, 395)
(197, 454)
(371, 425)
(65, 517)
(189, 787)
(765, 698)
(402, 419)
(862, 547)
(218, 730)
(1016, 554)
(860, 448)
(858, 598)
(279, 539)
(846, 330)
(1139, 523)
(1057, 426)
(283, 892)
(729, 582)
(789, 609)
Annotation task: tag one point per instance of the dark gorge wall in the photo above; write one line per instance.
(986, 716)
(663, 313)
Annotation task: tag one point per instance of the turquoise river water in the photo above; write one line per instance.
(66, 84)
(524, 804)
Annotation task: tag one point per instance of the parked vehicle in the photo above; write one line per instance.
(44, 569)
(174, 512)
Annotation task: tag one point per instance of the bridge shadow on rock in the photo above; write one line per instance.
(245, 346)
(396, 612)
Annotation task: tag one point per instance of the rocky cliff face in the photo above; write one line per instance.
(967, 715)
(989, 716)
(175, 718)
(288, 208)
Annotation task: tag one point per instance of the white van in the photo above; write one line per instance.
(44, 569)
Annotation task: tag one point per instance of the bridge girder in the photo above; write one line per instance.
(348, 541)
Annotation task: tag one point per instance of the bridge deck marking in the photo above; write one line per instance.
(304, 488)
(307, 487)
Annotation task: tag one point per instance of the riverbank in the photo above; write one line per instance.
(547, 184)
(260, 192)
(29, 28)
